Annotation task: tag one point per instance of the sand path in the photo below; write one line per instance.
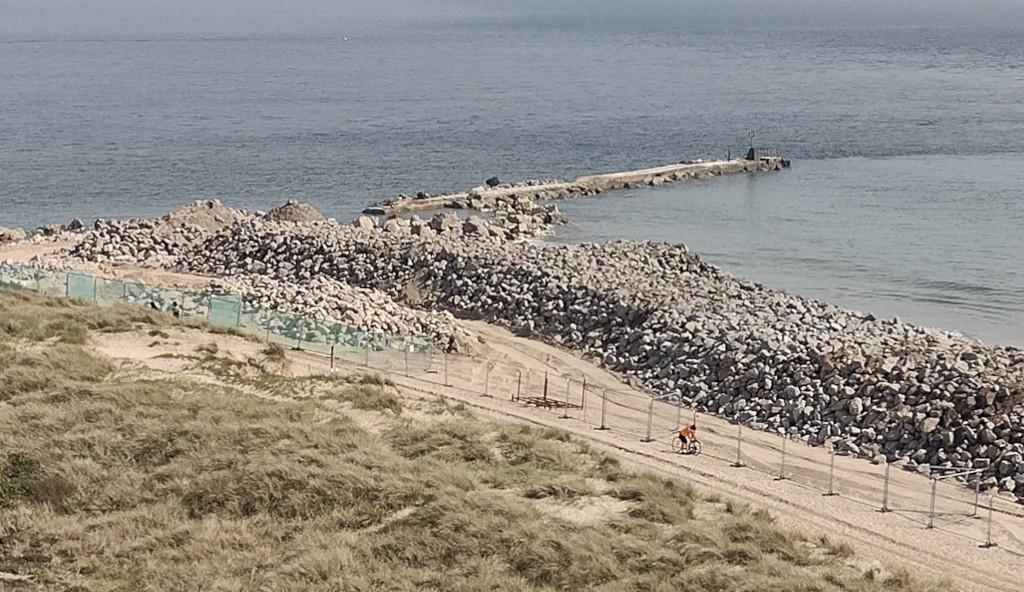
(950, 549)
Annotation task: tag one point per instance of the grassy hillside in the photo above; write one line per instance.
(114, 476)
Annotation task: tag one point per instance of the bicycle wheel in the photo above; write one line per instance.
(677, 444)
(695, 447)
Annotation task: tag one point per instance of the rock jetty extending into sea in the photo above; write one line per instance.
(494, 195)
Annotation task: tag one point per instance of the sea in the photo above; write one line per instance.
(903, 122)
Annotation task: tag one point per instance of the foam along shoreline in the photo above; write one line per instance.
(478, 197)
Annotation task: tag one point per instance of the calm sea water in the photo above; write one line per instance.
(904, 125)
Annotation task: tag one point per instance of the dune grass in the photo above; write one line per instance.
(109, 481)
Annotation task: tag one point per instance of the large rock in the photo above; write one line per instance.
(476, 225)
(10, 235)
(365, 222)
(928, 425)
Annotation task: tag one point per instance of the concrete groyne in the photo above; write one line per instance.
(483, 197)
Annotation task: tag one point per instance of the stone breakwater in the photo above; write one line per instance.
(496, 196)
(514, 219)
(881, 389)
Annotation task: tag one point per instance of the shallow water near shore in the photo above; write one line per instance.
(903, 122)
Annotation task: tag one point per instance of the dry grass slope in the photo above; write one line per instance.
(112, 481)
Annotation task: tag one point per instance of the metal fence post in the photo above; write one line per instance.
(519, 385)
(366, 353)
(332, 358)
(604, 408)
(405, 348)
(583, 400)
(977, 491)
(885, 490)
(831, 473)
(526, 389)
(988, 540)
(782, 467)
(568, 384)
(650, 421)
(931, 509)
(739, 447)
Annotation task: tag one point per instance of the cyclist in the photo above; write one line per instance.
(687, 435)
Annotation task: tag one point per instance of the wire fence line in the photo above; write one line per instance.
(935, 497)
(941, 501)
(377, 350)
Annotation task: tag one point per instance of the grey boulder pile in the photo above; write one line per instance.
(880, 389)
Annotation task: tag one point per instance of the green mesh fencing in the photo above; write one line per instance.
(108, 291)
(135, 293)
(82, 285)
(198, 305)
(8, 277)
(45, 281)
(381, 351)
(52, 283)
(143, 295)
(226, 309)
(250, 321)
(176, 302)
(287, 328)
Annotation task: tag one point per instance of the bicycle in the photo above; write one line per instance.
(680, 447)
